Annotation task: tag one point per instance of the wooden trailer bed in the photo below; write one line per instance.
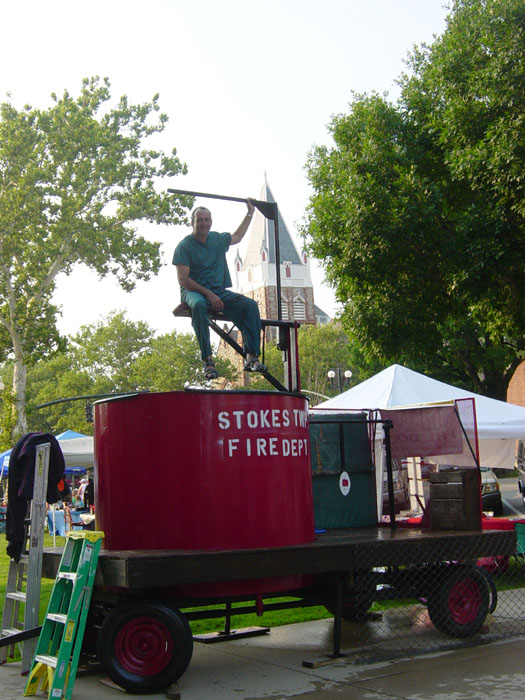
(333, 551)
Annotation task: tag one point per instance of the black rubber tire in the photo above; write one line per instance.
(458, 603)
(493, 590)
(144, 646)
(498, 510)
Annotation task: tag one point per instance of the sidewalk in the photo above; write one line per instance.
(271, 666)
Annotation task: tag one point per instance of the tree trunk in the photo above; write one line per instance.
(19, 394)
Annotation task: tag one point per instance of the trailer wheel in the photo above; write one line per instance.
(459, 603)
(145, 647)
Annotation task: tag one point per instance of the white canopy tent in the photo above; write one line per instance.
(499, 423)
(78, 452)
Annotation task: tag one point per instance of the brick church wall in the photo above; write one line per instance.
(516, 390)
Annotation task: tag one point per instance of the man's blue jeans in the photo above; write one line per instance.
(238, 309)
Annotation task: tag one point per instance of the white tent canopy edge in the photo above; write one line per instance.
(499, 423)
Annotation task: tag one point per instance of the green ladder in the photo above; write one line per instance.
(60, 641)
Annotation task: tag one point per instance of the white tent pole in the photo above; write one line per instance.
(54, 526)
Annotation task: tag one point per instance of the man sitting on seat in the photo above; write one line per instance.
(203, 276)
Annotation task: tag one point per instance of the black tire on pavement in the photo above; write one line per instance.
(459, 600)
(498, 510)
(493, 590)
(145, 646)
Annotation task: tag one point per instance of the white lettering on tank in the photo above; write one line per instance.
(265, 423)
(261, 447)
(238, 415)
(224, 421)
(232, 445)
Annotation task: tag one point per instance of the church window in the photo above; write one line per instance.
(299, 308)
(284, 308)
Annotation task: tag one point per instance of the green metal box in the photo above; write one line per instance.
(343, 472)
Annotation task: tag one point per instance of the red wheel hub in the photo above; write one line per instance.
(144, 646)
(464, 601)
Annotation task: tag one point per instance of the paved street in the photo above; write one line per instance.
(512, 501)
(272, 667)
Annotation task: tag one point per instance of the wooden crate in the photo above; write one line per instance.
(455, 500)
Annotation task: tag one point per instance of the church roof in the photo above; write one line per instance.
(319, 312)
(262, 236)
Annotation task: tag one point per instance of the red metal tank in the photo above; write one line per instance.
(204, 470)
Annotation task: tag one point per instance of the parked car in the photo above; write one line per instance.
(490, 493)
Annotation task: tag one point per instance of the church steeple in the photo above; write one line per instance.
(257, 277)
(262, 236)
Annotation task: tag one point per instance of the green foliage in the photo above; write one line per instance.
(324, 348)
(417, 220)
(114, 355)
(173, 362)
(59, 378)
(473, 79)
(321, 348)
(74, 180)
(107, 350)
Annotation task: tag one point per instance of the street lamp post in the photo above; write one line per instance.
(338, 378)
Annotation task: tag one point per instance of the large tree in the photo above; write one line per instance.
(107, 350)
(173, 362)
(114, 355)
(74, 180)
(417, 211)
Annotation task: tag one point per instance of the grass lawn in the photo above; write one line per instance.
(272, 618)
(45, 587)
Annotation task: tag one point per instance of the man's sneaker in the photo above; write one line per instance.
(210, 371)
(254, 365)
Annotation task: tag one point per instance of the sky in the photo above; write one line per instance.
(249, 88)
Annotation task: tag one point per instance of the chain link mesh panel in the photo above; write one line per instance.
(439, 603)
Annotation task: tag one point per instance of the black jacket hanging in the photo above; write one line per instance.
(21, 481)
